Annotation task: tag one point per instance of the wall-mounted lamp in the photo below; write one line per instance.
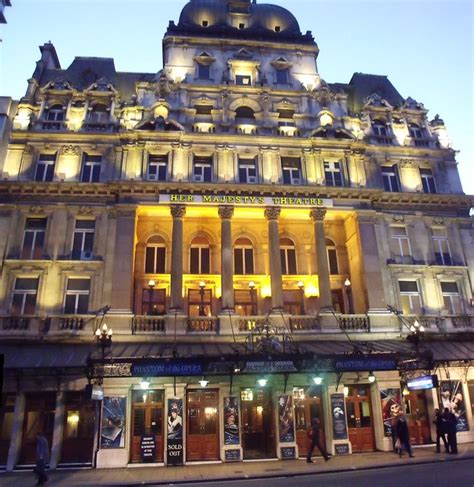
(318, 380)
(203, 383)
(371, 377)
(144, 384)
(262, 382)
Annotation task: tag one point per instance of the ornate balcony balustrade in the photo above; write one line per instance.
(148, 324)
(463, 321)
(203, 324)
(16, 323)
(249, 323)
(304, 323)
(354, 323)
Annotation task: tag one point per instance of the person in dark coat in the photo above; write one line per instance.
(452, 422)
(315, 441)
(441, 430)
(404, 435)
(42, 458)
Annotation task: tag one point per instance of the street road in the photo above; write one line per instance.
(442, 474)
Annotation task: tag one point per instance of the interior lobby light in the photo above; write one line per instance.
(262, 382)
(318, 380)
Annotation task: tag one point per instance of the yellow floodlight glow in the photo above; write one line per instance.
(266, 291)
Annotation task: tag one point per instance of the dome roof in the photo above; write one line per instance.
(239, 18)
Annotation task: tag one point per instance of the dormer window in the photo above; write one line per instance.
(283, 76)
(244, 112)
(54, 118)
(99, 114)
(205, 23)
(277, 28)
(241, 26)
(381, 132)
(203, 65)
(203, 109)
(204, 71)
(418, 135)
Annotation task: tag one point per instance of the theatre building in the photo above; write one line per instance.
(200, 260)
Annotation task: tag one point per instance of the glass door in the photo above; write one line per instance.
(307, 407)
(147, 421)
(258, 424)
(417, 417)
(202, 425)
(79, 428)
(6, 423)
(359, 418)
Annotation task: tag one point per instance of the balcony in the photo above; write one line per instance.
(148, 324)
(463, 322)
(305, 323)
(354, 323)
(100, 126)
(203, 324)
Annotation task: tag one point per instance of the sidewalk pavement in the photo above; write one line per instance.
(159, 475)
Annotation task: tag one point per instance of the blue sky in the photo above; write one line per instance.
(424, 46)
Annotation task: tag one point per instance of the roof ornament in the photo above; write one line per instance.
(412, 104)
(375, 100)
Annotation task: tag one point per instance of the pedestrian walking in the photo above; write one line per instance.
(395, 441)
(42, 458)
(403, 435)
(441, 431)
(315, 433)
(452, 422)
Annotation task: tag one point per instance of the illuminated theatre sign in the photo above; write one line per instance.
(230, 199)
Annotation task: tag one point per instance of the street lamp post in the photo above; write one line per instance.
(416, 332)
(301, 288)
(348, 287)
(252, 299)
(202, 309)
(151, 287)
(103, 337)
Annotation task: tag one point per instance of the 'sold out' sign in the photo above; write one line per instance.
(246, 200)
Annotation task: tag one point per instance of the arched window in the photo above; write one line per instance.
(243, 257)
(379, 127)
(332, 257)
(99, 114)
(244, 112)
(155, 256)
(288, 256)
(200, 256)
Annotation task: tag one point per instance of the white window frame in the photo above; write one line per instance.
(295, 173)
(92, 164)
(83, 232)
(200, 247)
(332, 247)
(398, 240)
(24, 293)
(202, 165)
(378, 127)
(438, 247)
(242, 248)
(45, 160)
(246, 165)
(155, 246)
(54, 114)
(35, 232)
(285, 265)
(429, 179)
(98, 116)
(157, 161)
(450, 297)
(411, 296)
(331, 168)
(391, 173)
(77, 293)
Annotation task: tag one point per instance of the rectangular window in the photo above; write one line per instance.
(24, 296)
(288, 261)
(157, 168)
(451, 298)
(202, 169)
(390, 179)
(247, 171)
(76, 301)
(333, 173)
(401, 245)
(204, 71)
(282, 76)
(33, 239)
(243, 302)
(45, 167)
(243, 260)
(427, 180)
(243, 79)
(291, 168)
(155, 259)
(154, 302)
(441, 247)
(83, 242)
(200, 260)
(332, 261)
(410, 297)
(91, 169)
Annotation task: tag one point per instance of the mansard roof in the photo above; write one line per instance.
(210, 18)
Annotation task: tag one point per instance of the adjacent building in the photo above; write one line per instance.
(3, 5)
(266, 247)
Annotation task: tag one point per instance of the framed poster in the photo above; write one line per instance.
(175, 432)
(338, 411)
(452, 397)
(113, 422)
(285, 419)
(391, 400)
(231, 421)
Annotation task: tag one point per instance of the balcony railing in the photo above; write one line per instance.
(354, 323)
(463, 321)
(148, 324)
(16, 323)
(249, 323)
(304, 323)
(203, 325)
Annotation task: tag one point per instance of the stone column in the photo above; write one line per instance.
(58, 431)
(227, 267)
(17, 431)
(322, 266)
(176, 303)
(272, 214)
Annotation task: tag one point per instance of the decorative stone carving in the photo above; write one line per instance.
(226, 212)
(37, 209)
(375, 100)
(438, 220)
(407, 163)
(178, 211)
(412, 104)
(85, 210)
(398, 218)
(272, 213)
(318, 214)
(70, 150)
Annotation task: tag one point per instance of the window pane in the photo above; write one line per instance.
(332, 255)
(205, 261)
(88, 242)
(408, 286)
(17, 304)
(70, 304)
(83, 305)
(78, 284)
(150, 260)
(26, 284)
(291, 261)
(284, 269)
(449, 287)
(249, 261)
(30, 304)
(238, 262)
(160, 260)
(194, 260)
